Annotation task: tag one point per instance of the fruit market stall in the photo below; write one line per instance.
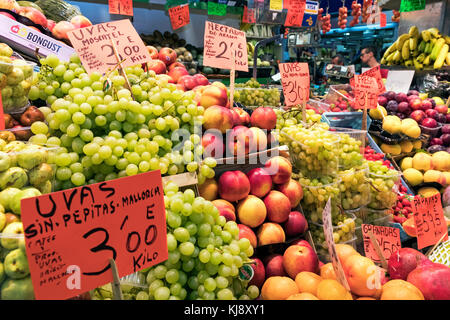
(244, 191)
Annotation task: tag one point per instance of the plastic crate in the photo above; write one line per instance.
(351, 120)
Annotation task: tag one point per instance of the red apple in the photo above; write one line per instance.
(426, 104)
(167, 55)
(259, 275)
(226, 209)
(157, 65)
(429, 123)
(415, 104)
(34, 15)
(61, 28)
(260, 182)
(8, 15)
(296, 224)
(177, 72)
(293, 190)
(418, 115)
(213, 144)
(441, 108)
(240, 141)
(233, 186)
(299, 258)
(187, 81)
(201, 79)
(247, 232)
(153, 52)
(50, 24)
(264, 118)
(274, 265)
(80, 21)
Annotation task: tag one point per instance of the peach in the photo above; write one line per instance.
(296, 224)
(260, 182)
(270, 232)
(279, 168)
(264, 118)
(177, 72)
(421, 161)
(251, 211)
(158, 66)
(302, 242)
(299, 258)
(246, 232)
(209, 189)
(441, 161)
(260, 139)
(34, 15)
(274, 265)
(153, 52)
(233, 186)
(240, 140)
(293, 190)
(217, 117)
(278, 206)
(242, 117)
(213, 145)
(214, 95)
(80, 21)
(201, 79)
(225, 208)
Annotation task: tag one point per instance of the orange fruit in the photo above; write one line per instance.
(410, 227)
(307, 282)
(278, 288)
(302, 296)
(329, 289)
(360, 274)
(344, 251)
(400, 290)
(327, 271)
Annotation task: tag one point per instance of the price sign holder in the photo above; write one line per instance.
(429, 220)
(232, 80)
(121, 71)
(117, 291)
(328, 232)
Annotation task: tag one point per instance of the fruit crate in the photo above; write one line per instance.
(351, 120)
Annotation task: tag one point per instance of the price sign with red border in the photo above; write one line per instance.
(429, 220)
(70, 235)
(179, 16)
(295, 81)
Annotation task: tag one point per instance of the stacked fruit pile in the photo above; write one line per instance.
(420, 50)
(251, 93)
(424, 168)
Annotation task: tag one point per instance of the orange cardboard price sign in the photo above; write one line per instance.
(328, 232)
(366, 91)
(123, 7)
(375, 73)
(295, 81)
(429, 220)
(179, 16)
(93, 46)
(294, 16)
(221, 43)
(249, 15)
(70, 235)
(388, 239)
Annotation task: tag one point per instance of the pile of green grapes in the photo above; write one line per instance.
(250, 93)
(354, 187)
(384, 184)
(106, 131)
(205, 254)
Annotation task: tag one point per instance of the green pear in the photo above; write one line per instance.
(2, 273)
(5, 161)
(40, 174)
(15, 76)
(17, 289)
(2, 221)
(12, 229)
(16, 264)
(13, 177)
(31, 157)
(6, 196)
(25, 193)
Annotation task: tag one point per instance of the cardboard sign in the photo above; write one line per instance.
(94, 45)
(2, 114)
(123, 7)
(376, 73)
(328, 232)
(276, 5)
(295, 81)
(388, 239)
(220, 43)
(412, 5)
(366, 92)
(429, 220)
(80, 229)
(179, 16)
(399, 80)
(249, 15)
(294, 16)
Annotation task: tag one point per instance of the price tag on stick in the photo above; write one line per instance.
(93, 46)
(221, 43)
(328, 232)
(387, 241)
(376, 73)
(123, 7)
(71, 235)
(295, 81)
(429, 220)
(366, 95)
(179, 16)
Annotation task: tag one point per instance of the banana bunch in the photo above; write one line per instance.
(426, 49)
(250, 49)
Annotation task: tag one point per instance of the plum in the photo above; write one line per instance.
(445, 128)
(446, 139)
(413, 92)
(435, 148)
(400, 97)
(441, 118)
(392, 106)
(403, 107)
(382, 101)
(390, 95)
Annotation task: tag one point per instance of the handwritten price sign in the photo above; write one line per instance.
(179, 16)
(249, 15)
(294, 16)
(328, 232)
(295, 82)
(94, 45)
(388, 240)
(221, 43)
(82, 228)
(366, 91)
(376, 73)
(124, 7)
(429, 220)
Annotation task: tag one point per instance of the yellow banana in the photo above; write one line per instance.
(437, 48)
(390, 57)
(405, 50)
(427, 48)
(390, 49)
(421, 46)
(421, 57)
(417, 65)
(409, 63)
(434, 32)
(447, 59)
(401, 40)
(413, 32)
(397, 56)
(447, 39)
(383, 60)
(441, 57)
(426, 35)
(412, 44)
(427, 60)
